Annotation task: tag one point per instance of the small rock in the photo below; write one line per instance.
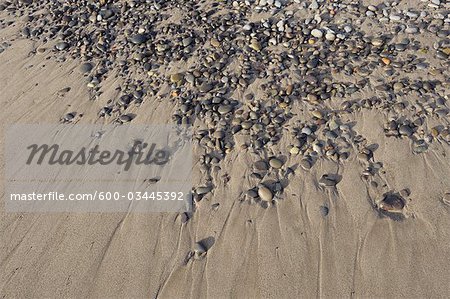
(306, 163)
(215, 43)
(255, 45)
(265, 194)
(324, 211)
(392, 203)
(224, 109)
(138, 39)
(176, 78)
(86, 67)
(275, 163)
(205, 87)
(405, 130)
(377, 42)
(317, 33)
(261, 165)
(203, 190)
(199, 250)
(327, 181)
(61, 46)
(125, 118)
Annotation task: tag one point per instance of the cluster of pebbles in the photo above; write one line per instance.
(250, 66)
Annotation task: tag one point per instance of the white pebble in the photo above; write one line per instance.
(317, 33)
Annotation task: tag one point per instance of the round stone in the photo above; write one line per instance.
(125, 118)
(377, 42)
(265, 194)
(317, 33)
(219, 134)
(275, 163)
(294, 150)
(86, 67)
(324, 210)
(255, 45)
(405, 130)
(61, 46)
(203, 190)
(392, 203)
(176, 78)
(69, 116)
(261, 165)
(205, 87)
(305, 163)
(138, 39)
(317, 113)
(187, 41)
(199, 249)
(224, 109)
(330, 36)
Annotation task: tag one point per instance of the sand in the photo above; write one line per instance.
(285, 251)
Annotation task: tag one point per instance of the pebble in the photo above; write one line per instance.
(317, 33)
(138, 39)
(61, 46)
(294, 150)
(377, 42)
(125, 118)
(327, 181)
(255, 45)
(265, 194)
(224, 109)
(330, 36)
(205, 87)
(406, 130)
(203, 190)
(261, 165)
(86, 67)
(176, 78)
(306, 163)
(275, 163)
(199, 250)
(69, 116)
(392, 203)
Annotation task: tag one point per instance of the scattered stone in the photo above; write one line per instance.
(224, 109)
(317, 33)
(69, 117)
(125, 118)
(176, 78)
(199, 250)
(265, 194)
(62, 46)
(138, 39)
(205, 87)
(275, 163)
(86, 67)
(255, 45)
(392, 203)
(324, 211)
(261, 165)
(203, 190)
(306, 163)
(327, 181)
